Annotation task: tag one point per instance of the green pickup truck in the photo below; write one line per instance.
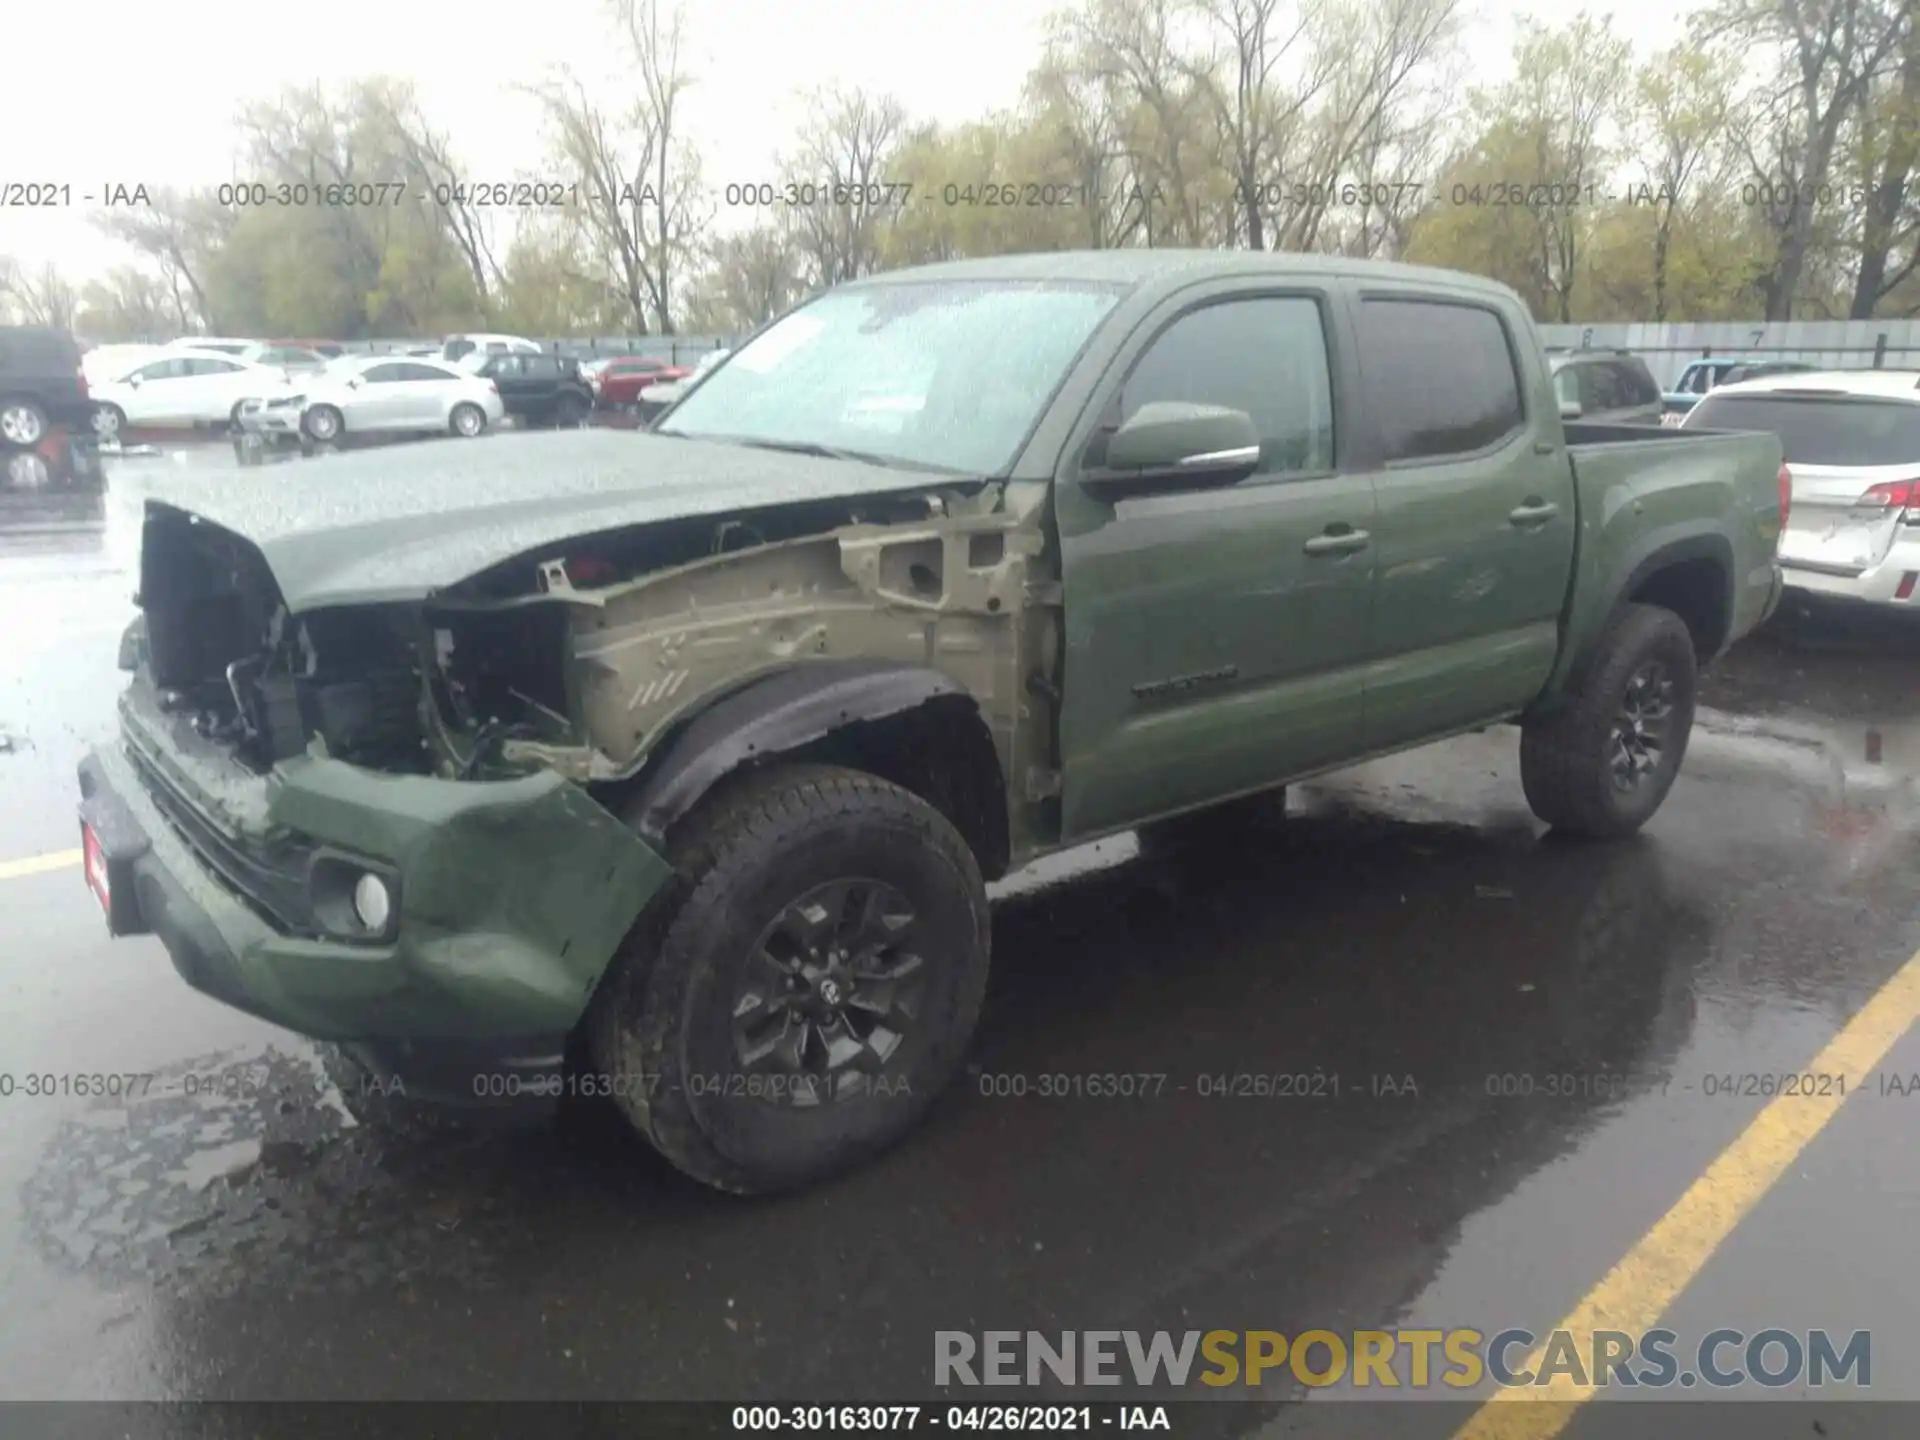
(671, 767)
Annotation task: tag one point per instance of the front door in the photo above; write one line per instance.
(1216, 638)
(1476, 521)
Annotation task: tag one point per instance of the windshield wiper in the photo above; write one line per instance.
(808, 447)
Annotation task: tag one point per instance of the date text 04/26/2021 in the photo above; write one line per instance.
(907, 1418)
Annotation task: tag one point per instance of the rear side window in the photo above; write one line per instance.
(1818, 430)
(412, 370)
(1636, 383)
(1441, 378)
(1600, 387)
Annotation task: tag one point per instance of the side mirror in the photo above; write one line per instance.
(1570, 410)
(1172, 443)
(134, 380)
(354, 383)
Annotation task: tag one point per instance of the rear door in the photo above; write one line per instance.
(218, 385)
(420, 396)
(380, 400)
(1210, 652)
(1476, 522)
(1839, 448)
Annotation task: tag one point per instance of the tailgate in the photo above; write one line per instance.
(1830, 529)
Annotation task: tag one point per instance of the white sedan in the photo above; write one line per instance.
(183, 388)
(392, 395)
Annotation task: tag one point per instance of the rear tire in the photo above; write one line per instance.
(23, 423)
(1603, 765)
(467, 420)
(759, 864)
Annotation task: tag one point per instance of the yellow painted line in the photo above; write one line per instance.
(1637, 1291)
(38, 864)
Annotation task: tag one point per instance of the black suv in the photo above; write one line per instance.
(40, 386)
(541, 389)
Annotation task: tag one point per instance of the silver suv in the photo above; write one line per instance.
(1610, 386)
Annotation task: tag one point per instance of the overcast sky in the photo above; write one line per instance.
(132, 92)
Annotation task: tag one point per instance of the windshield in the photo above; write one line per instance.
(946, 374)
(1821, 431)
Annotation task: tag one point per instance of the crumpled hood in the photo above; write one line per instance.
(399, 523)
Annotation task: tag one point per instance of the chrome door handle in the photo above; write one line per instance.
(1344, 542)
(1532, 513)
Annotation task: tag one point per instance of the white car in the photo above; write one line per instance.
(221, 344)
(290, 358)
(180, 388)
(1852, 443)
(390, 395)
(473, 351)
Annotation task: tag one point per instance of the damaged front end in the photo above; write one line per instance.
(471, 748)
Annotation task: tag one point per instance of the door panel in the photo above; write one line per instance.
(1207, 652)
(1476, 525)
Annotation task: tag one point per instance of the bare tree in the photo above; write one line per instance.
(1250, 106)
(1892, 210)
(1683, 100)
(673, 208)
(302, 138)
(1069, 108)
(426, 160)
(1134, 50)
(840, 172)
(1374, 53)
(43, 297)
(181, 233)
(640, 205)
(605, 152)
(1831, 52)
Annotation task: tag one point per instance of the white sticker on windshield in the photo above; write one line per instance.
(778, 343)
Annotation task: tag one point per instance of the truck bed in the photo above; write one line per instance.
(1641, 490)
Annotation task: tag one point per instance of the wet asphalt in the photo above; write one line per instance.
(1409, 933)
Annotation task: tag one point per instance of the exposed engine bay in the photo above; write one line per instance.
(578, 660)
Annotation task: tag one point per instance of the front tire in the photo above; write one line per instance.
(810, 986)
(1603, 765)
(323, 423)
(109, 421)
(569, 412)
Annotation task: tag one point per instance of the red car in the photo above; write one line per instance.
(619, 382)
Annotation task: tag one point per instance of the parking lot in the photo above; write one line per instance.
(232, 1234)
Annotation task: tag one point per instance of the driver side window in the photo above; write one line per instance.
(163, 370)
(1266, 356)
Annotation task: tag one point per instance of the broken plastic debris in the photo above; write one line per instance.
(1492, 892)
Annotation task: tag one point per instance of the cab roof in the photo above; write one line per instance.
(1140, 268)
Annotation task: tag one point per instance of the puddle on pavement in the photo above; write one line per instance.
(241, 1173)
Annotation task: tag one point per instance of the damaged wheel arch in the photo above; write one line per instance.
(908, 724)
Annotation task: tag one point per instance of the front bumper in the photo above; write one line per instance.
(1878, 586)
(276, 423)
(514, 897)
